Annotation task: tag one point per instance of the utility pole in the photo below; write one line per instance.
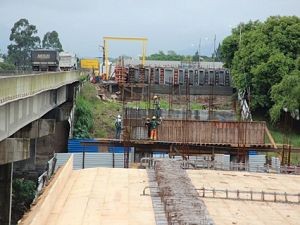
(214, 58)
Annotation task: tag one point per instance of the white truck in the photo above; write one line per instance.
(67, 61)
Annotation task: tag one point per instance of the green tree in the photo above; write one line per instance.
(23, 41)
(196, 57)
(230, 44)
(172, 53)
(51, 41)
(6, 67)
(286, 94)
(83, 118)
(260, 55)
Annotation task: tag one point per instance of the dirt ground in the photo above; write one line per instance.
(104, 196)
(225, 211)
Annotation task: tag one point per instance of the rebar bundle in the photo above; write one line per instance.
(181, 201)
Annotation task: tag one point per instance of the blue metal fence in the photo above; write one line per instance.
(113, 149)
(75, 146)
(252, 152)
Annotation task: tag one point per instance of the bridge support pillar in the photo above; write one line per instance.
(14, 149)
(6, 173)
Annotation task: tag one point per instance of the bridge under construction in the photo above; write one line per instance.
(215, 130)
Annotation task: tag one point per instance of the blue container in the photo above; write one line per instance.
(75, 146)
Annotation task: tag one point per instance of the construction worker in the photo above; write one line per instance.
(153, 127)
(148, 125)
(118, 125)
(156, 103)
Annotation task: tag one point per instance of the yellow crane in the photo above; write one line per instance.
(105, 45)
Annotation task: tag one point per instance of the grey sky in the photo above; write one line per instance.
(168, 24)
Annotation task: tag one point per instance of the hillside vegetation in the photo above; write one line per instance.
(94, 117)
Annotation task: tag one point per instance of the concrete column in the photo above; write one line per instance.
(5, 193)
(14, 149)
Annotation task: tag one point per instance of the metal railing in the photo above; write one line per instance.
(16, 87)
(44, 178)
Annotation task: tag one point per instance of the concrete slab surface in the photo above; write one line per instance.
(104, 196)
(243, 212)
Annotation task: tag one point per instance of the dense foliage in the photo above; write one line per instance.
(83, 118)
(172, 56)
(24, 39)
(51, 41)
(6, 67)
(23, 194)
(265, 56)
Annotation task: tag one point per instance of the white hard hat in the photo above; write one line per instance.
(119, 116)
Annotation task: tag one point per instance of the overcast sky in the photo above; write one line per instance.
(168, 24)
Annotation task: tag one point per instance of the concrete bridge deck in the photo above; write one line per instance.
(94, 196)
(114, 196)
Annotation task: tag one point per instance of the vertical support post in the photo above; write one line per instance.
(144, 53)
(6, 177)
(10, 192)
(113, 160)
(285, 197)
(106, 58)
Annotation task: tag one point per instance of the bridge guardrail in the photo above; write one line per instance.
(17, 87)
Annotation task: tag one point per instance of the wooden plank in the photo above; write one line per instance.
(270, 137)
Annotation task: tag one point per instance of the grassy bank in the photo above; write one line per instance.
(103, 112)
(165, 105)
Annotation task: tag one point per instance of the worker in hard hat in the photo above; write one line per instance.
(156, 104)
(148, 125)
(118, 125)
(153, 127)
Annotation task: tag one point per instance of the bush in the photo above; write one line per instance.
(6, 66)
(23, 194)
(83, 118)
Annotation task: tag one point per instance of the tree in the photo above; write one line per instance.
(23, 41)
(286, 95)
(51, 41)
(196, 57)
(260, 55)
(172, 53)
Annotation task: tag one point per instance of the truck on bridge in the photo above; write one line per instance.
(45, 60)
(67, 61)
